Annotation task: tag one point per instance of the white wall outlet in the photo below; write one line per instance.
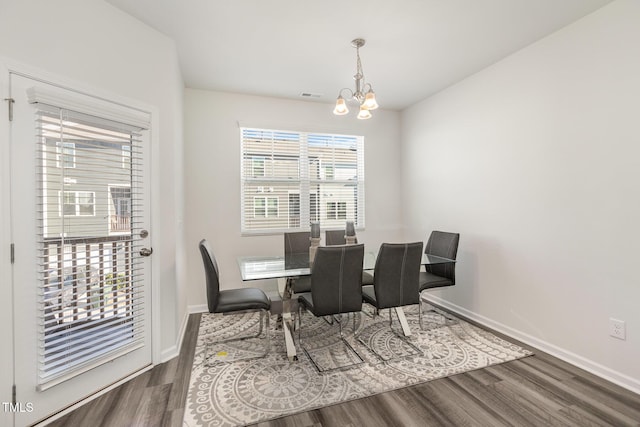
(617, 328)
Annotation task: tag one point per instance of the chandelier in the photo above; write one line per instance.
(363, 94)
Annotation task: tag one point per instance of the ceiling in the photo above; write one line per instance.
(282, 48)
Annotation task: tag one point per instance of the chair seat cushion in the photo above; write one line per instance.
(367, 278)
(369, 295)
(428, 280)
(302, 284)
(242, 299)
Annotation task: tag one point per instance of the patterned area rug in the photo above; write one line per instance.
(241, 391)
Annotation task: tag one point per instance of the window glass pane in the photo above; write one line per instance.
(69, 204)
(85, 203)
(257, 164)
(259, 210)
(272, 206)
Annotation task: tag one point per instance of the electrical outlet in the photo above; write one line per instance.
(617, 328)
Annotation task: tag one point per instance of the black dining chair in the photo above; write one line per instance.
(336, 289)
(296, 245)
(442, 244)
(336, 238)
(395, 283)
(231, 301)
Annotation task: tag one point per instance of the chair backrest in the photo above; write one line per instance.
(335, 237)
(443, 244)
(336, 279)
(396, 279)
(211, 272)
(297, 242)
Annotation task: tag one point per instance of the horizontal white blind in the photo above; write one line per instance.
(291, 178)
(90, 280)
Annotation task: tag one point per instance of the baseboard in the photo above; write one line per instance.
(200, 308)
(604, 372)
(173, 351)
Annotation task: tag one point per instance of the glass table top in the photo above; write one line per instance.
(295, 265)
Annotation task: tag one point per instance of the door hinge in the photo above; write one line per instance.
(13, 253)
(13, 394)
(11, 101)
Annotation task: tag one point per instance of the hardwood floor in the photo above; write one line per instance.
(540, 390)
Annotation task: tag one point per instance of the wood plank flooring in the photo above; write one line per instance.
(540, 390)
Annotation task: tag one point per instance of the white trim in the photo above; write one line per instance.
(199, 308)
(6, 304)
(174, 350)
(595, 368)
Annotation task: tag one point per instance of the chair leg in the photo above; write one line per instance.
(262, 325)
(400, 336)
(265, 313)
(347, 342)
(448, 321)
(342, 338)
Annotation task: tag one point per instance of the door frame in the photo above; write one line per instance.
(6, 287)
(7, 66)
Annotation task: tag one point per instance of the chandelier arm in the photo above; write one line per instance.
(351, 93)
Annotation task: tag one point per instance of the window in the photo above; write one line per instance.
(328, 172)
(336, 210)
(65, 155)
(257, 165)
(311, 176)
(78, 203)
(265, 207)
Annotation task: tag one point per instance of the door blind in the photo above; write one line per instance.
(89, 186)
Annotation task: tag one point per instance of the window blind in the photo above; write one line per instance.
(292, 178)
(91, 299)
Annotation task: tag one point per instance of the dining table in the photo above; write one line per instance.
(287, 269)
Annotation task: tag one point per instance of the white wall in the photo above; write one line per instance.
(536, 162)
(98, 46)
(212, 175)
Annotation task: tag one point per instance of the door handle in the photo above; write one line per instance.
(146, 251)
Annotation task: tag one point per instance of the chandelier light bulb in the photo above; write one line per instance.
(341, 107)
(364, 114)
(370, 101)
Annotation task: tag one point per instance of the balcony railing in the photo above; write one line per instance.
(87, 279)
(119, 223)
